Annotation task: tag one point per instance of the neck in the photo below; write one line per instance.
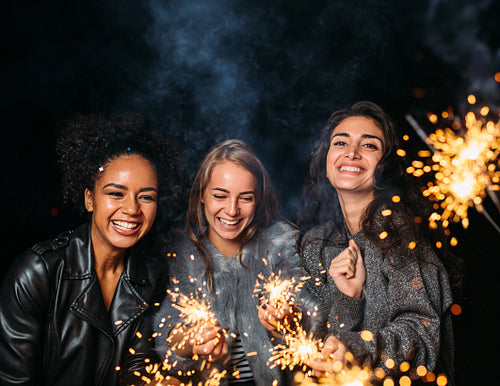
(106, 259)
(226, 247)
(353, 208)
(108, 265)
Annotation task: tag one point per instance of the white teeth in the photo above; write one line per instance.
(350, 169)
(226, 222)
(125, 225)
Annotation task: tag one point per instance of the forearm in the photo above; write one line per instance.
(388, 347)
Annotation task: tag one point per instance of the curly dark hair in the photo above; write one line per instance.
(88, 142)
(320, 203)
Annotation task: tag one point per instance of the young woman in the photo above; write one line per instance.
(233, 236)
(371, 265)
(70, 305)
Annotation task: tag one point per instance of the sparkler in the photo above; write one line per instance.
(193, 310)
(281, 293)
(465, 168)
(301, 347)
(298, 348)
(214, 378)
(353, 376)
(195, 313)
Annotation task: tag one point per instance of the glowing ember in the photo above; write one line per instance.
(347, 375)
(195, 313)
(158, 379)
(465, 168)
(279, 291)
(298, 348)
(193, 310)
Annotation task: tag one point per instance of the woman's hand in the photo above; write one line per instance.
(348, 271)
(332, 354)
(271, 316)
(207, 342)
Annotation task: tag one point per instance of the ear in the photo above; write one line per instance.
(89, 201)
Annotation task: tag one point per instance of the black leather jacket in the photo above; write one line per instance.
(55, 329)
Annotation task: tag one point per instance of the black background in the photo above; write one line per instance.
(267, 72)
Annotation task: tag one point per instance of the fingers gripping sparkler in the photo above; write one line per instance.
(277, 298)
(299, 347)
(196, 315)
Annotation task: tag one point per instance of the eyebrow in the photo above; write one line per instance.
(123, 187)
(227, 191)
(362, 136)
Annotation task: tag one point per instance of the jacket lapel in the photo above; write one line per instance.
(89, 306)
(128, 303)
(87, 303)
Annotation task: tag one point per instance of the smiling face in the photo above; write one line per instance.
(356, 147)
(123, 204)
(229, 204)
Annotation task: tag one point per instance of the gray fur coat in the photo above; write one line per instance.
(233, 299)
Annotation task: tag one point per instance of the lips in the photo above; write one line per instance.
(125, 227)
(229, 223)
(351, 169)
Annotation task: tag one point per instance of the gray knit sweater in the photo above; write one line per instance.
(233, 299)
(405, 306)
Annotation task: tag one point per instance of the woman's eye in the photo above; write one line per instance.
(115, 194)
(339, 143)
(247, 198)
(148, 198)
(219, 196)
(371, 146)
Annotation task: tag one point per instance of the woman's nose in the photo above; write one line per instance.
(352, 152)
(131, 206)
(232, 208)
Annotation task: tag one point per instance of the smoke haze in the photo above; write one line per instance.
(268, 72)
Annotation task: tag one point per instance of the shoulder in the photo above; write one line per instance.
(317, 231)
(31, 271)
(280, 228)
(279, 233)
(60, 242)
(177, 242)
(182, 256)
(319, 236)
(45, 252)
(405, 265)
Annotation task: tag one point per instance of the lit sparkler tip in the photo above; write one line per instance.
(464, 167)
(298, 348)
(279, 291)
(421, 133)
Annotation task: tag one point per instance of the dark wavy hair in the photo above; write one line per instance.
(320, 200)
(267, 203)
(320, 203)
(88, 142)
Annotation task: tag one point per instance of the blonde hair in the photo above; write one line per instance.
(267, 203)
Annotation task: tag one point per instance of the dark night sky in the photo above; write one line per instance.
(267, 72)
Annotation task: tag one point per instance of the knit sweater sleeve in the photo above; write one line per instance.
(413, 330)
(339, 311)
